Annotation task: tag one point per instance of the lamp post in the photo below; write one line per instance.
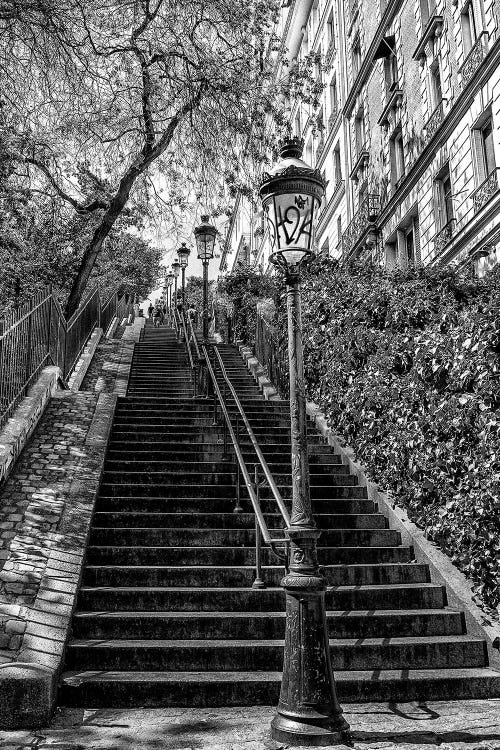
(169, 280)
(176, 269)
(205, 241)
(308, 712)
(183, 253)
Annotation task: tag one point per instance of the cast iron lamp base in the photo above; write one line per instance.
(308, 711)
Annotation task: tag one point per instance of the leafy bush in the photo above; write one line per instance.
(239, 293)
(406, 367)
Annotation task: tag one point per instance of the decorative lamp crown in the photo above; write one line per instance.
(183, 253)
(205, 235)
(291, 194)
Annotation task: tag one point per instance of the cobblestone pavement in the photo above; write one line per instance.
(460, 725)
(31, 506)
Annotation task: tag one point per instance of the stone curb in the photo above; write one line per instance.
(112, 328)
(258, 371)
(19, 428)
(83, 364)
(28, 685)
(458, 588)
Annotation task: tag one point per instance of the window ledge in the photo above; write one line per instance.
(393, 102)
(433, 29)
(361, 162)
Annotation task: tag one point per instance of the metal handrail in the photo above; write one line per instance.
(194, 338)
(266, 536)
(255, 444)
(186, 339)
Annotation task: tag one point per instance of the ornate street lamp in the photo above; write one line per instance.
(205, 235)
(183, 253)
(176, 269)
(169, 280)
(308, 711)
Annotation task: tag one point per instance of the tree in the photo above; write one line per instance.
(119, 88)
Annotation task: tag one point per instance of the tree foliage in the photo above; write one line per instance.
(149, 100)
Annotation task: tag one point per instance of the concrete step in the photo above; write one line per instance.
(230, 520)
(182, 537)
(148, 504)
(215, 576)
(256, 625)
(112, 554)
(171, 599)
(95, 688)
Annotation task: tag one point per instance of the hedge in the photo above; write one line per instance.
(406, 367)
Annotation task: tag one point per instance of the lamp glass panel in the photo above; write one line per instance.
(205, 244)
(290, 217)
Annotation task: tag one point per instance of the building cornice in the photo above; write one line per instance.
(367, 64)
(449, 123)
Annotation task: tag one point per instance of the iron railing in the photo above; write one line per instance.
(363, 221)
(275, 538)
(486, 190)
(272, 356)
(36, 335)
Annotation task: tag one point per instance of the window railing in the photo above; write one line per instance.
(37, 335)
(474, 59)
(444, 236)
(321, 146)
(486, 190)
(361, 223)
(330, 52)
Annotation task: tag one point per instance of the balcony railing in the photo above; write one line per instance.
(474, 59)
(444, 236)
(434, 121)
(362, 223)
(486, 190)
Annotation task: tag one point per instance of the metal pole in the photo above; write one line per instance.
(183, 288)
(205, 301)
(308, 712)
(258, 582)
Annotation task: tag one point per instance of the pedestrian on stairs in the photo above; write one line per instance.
(150, 310)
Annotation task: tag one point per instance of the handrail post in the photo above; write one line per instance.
(258, 582)
(237, 507)
(215, 395)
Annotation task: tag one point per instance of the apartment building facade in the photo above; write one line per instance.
(407, 133)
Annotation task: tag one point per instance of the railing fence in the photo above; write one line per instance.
(272, 356)
(37, 335)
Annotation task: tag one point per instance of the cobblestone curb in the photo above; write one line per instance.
(18, 429)
(83, 363)
(47, 503)
(459, 590)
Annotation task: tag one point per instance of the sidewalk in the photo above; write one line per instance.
(460, 725)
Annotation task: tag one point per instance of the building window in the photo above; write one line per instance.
(298, 128)
(337, 166)
(334, 103)
(427, 10)
(396, 149)
(359, 132)
(390, 71)
(356, 57)
(409, 247)
(443, 198)
(484, 150)
(330, 28)
(469, 28)
(436, 88)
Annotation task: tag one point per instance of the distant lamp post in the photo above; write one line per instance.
(176, 269)
(205, 235)
(183, 252)
(308, 712)
(169, 280)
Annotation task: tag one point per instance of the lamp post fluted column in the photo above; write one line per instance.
(308, 711)
(205, 300)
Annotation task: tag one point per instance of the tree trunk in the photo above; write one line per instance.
(117, 204)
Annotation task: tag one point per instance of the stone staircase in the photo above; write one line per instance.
(166, 614)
